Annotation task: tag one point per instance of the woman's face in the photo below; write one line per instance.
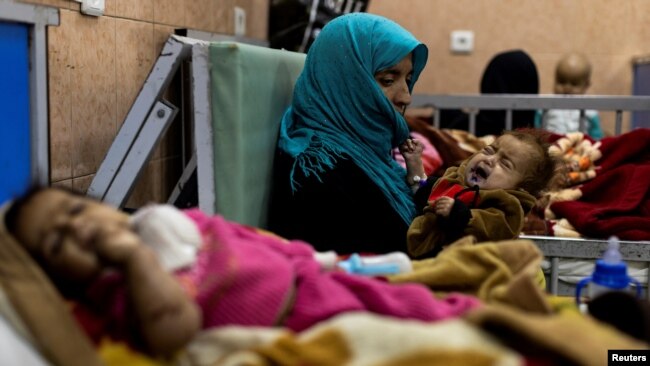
(394, 82)
(61, 229)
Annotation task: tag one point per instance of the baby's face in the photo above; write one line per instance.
(570, 86)
(571, 79)
(501, 165)
(61, 230)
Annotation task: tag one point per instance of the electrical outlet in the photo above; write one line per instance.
(92, 7)
(240, 21)
(462, 41)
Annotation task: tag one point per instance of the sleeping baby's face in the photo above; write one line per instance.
(62, 230)
(501, 165)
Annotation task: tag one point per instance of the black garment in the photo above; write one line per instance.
(344, 212)
(510, 72)
(624, 311)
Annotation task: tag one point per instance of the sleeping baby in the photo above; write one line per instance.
(156, 280)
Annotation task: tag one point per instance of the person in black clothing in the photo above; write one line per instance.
(509, 72)
(336, 184)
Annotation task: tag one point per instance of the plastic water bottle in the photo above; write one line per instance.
(377, 265)
(610, 274)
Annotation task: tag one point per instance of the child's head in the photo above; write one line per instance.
(60, 229)
(516, 160)
(572, 74)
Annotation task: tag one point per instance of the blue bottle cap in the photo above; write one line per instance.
(612, 275)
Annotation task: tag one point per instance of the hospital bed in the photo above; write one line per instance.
(568, 259)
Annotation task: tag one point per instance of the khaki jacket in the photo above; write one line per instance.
(499, 215)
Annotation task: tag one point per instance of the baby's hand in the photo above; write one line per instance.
(411, 150)
(116, 245)
(443, 205)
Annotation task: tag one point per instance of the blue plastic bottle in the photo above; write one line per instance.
(378, 265)
(610, 274)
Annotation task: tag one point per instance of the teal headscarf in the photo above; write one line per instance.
(338, 107)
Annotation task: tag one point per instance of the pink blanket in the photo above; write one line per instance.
(246, 277)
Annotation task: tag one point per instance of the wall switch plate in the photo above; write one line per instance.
(92, 7)
(462, 41)
(240, 21)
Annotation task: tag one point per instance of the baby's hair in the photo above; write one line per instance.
(576, 62)
(12, 214)
(66, 288)
(541, 173)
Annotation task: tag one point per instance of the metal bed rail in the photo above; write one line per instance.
(555, 248)
(473, 103)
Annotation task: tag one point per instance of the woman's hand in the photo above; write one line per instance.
(442, 206)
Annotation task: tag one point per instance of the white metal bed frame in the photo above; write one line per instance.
(511, 102)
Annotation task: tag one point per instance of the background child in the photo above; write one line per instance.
(572, 77)
(239, 276)
(487, 196)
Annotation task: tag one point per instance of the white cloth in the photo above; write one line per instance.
(563, 121)
(15, 350)
(171, 233)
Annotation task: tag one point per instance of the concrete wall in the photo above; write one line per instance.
(609, 32)
(97, 66)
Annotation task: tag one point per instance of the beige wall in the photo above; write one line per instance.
(609, 32)
(97, 65)
(96, 68)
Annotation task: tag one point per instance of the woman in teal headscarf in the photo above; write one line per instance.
(336, 183)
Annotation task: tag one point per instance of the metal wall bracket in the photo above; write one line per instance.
(146, 122)
(135, 161)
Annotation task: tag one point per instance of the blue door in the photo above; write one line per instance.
(641, 87)
(15, 159)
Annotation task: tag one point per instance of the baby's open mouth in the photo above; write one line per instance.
(479, 171)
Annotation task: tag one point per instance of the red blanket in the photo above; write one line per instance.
(617, 200)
